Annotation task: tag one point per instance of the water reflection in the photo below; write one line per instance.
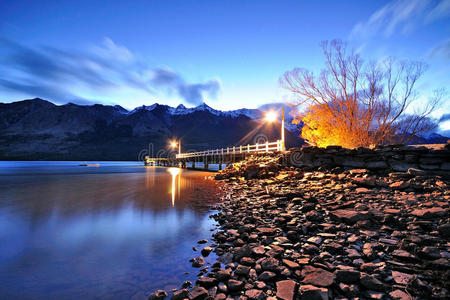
(106, 232)
(174, 172)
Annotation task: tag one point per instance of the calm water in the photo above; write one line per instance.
(116, 231)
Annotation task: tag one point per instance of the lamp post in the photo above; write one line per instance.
(271, 116)
(174, 143)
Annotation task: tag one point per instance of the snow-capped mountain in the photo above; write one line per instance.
(37, 129)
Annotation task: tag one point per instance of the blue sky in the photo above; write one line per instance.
(230, 53)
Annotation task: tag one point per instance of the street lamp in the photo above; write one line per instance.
(174, 144)
(271, 116)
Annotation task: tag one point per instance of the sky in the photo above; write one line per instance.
(229, 54)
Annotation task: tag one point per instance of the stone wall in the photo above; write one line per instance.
(399, 158)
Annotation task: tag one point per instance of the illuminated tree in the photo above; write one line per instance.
(352, 103)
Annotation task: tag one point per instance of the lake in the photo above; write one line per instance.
(114, 231)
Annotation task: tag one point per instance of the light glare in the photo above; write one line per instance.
(271, 116)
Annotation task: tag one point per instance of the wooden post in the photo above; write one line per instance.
(240, 149)
(267, 146)
(248, 148)
(205, 163)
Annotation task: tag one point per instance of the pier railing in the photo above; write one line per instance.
(242, 149)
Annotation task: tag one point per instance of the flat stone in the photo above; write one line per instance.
(198, 293)
(242, 270)
(223, 275)
(348, 215)
(198, 262)
(401, 278)
(266, 276)
(371, 283)
(180, 294)
(290, 264)
(347, 276)
(260, 250)
(235, 285)
(158, 295)
(270, 264)
(317, 276)
(428, 213)
(206, 282)
(266, 230)
(254, 294)
(311, 292)
(399, 185)
(399, 294)
(206, 251)
(403, 255)
(286, 289)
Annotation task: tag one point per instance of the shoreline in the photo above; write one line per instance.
(328, 234)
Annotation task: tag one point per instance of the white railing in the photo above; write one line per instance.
(265, 147)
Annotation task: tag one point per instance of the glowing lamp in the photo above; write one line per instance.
(271, 116)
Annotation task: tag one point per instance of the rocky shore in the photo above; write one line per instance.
(288, 232)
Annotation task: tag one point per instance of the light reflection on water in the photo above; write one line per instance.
(112, 231)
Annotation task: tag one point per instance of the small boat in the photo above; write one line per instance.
(89, 165)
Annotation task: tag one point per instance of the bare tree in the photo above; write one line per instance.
(354, 103)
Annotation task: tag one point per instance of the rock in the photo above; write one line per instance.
(401, 278)
(222, 287)
(317, 276)
(399, 185)
(266, 276)
(220, 296)
(198, 262)
(223, 275)
(270, 264)
(349, 216)
(428, 213)
(255, 294)
(202, 242)
(198, 293)
(180, 294)
(206, 251)
(206, 282)
(416, 172)
(310, 292)
(267, 230)
(404, 255)
(444, 230)
(235, 285)
(258, 250)
(350, 290)
(347, 276)
(290, 264)
(399, 294)
(242, 270)
(286, 289)
(158, 295)
(371, 283)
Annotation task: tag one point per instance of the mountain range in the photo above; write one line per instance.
(37, 129)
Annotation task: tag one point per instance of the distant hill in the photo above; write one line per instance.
(37, 129)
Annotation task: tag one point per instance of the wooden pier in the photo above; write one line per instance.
(221, 157)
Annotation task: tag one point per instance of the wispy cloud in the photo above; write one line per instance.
(53, 73)
(441, 50)
(401, 16)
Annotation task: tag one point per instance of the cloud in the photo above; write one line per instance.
(174, 83)
(441, 50)
(441, 10)
(55, 73)
(401, 15)
(444, 118)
